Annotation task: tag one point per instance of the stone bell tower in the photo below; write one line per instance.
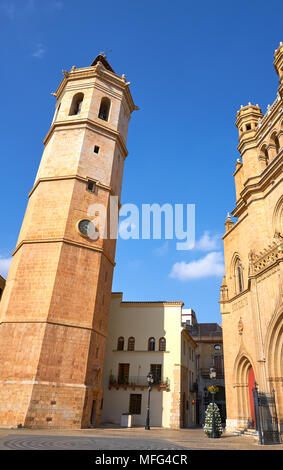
(54, 310)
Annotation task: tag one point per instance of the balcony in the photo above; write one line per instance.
(205, 373)
(138, 382)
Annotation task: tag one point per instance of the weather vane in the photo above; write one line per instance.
(105, 53)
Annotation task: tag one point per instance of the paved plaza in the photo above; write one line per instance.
(115, 438)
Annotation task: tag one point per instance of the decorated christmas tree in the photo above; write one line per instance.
(208, 420)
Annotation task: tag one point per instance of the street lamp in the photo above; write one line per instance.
(212, 375)
(150, 380)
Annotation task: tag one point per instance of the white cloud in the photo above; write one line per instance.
(39, 51)
(4, 266)
(210, 265)
(207, 242)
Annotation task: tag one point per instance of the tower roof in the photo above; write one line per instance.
(102, 58)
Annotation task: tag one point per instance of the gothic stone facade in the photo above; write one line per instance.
(251, 293)
(54, 310)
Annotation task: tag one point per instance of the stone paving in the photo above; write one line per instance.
(124, 439)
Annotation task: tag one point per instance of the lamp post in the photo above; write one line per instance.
(150, 380)
(212, 375)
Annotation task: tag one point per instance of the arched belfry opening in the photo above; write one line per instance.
(104, 109)
(76, 104)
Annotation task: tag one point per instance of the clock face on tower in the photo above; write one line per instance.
(87, 228)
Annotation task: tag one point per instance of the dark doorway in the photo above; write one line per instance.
(123, 373)
(184, 421)
(92, 415)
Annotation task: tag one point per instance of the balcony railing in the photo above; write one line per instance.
(140, 381)
(219, 373)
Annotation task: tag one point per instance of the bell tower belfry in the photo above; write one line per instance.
(54, 310)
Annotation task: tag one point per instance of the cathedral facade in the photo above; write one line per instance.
(251, 292)
(54, 309)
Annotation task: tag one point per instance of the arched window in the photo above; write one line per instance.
(277, 219)
(76, 105)
(131, 344)
(104, 109)
(277, 145)
(57, 111)
(120, 344)
(151, 344)
(162, 344)
(238, 274)
(263, 156)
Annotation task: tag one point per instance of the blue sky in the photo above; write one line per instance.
(191, 66)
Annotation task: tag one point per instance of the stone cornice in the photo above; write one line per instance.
(258, 184)
(88, 122)
(99, 72)
(53, 384)
(151, 304)
(69, 177)
(48, 322)
(235, 297)
(240, 166)
(263, 127)
(117, 294)
(234, 226)
(189, 337)
(66, 241)
(247, 144)
(261, 263)
(266, 260)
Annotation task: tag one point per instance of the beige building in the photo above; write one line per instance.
(144, 337)
(251, 293)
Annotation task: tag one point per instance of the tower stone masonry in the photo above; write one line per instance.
(54, 309)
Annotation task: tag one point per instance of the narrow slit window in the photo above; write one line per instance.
(238, 273)
(96, 149)
(91, 186)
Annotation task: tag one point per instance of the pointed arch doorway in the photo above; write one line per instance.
(244, 378)
(251, 379)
